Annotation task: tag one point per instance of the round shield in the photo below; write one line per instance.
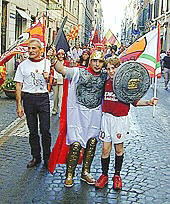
(131, 82)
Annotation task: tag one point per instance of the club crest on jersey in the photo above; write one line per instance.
(119, 135)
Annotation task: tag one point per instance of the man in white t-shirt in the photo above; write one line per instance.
(31, 78)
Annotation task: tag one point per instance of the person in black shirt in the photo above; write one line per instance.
(166, 65)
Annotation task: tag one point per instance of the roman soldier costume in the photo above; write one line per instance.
(85, 92)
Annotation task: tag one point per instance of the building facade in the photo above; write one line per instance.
(98, 22)
(17, 16)
(82, 20)
(145, 16)
(89, 16)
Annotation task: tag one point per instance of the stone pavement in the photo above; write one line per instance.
(145, 172)
(7, 110)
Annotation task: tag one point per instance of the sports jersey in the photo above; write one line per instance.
(111, 104)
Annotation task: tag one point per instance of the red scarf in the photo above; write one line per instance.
(35, 60)
(92, 72)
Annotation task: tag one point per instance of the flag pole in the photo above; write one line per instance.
(155, 95)
(45, 53)
(156, 73)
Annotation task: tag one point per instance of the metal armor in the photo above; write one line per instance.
(90, 89)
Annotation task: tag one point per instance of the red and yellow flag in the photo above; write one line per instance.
(20, 45)
(110, 39)
(36, 31)
(73, 33)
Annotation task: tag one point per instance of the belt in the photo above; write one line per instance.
(36, 94)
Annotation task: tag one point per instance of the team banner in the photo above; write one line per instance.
(146, 50)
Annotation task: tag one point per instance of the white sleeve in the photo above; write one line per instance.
(57, 75)
(18, 75)
(48, 65)
(72, 73)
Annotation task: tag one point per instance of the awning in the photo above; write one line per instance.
(23, 14)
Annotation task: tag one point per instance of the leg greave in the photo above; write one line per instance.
(89, 155)
(72, 159)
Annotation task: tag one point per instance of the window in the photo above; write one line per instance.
(70, 6)
(3, 27)
(168, 6)
(156, 8)
(162, 6)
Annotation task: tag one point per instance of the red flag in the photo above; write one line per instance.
(96, 37)
(104, 40)
(60, 149)
(10, 54)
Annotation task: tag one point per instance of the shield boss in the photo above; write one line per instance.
(131, 82)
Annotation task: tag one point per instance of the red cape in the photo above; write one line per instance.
(60, 150)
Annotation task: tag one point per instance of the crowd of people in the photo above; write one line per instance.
(93, 110)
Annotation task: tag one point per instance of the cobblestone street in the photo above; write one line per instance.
(7, 110)
(145, 172)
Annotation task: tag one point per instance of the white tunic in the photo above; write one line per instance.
(82, 123)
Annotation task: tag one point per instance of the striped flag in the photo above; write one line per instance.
(146, 50)
(150, 57)
(110, 39)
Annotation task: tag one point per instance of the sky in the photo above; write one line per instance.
(113, 13)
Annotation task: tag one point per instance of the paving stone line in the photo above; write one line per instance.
(8, 131)
(12, 127)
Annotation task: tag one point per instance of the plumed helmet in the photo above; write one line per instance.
(98, 55)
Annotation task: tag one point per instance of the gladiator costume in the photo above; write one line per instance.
(83, 119)
(84, 112)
